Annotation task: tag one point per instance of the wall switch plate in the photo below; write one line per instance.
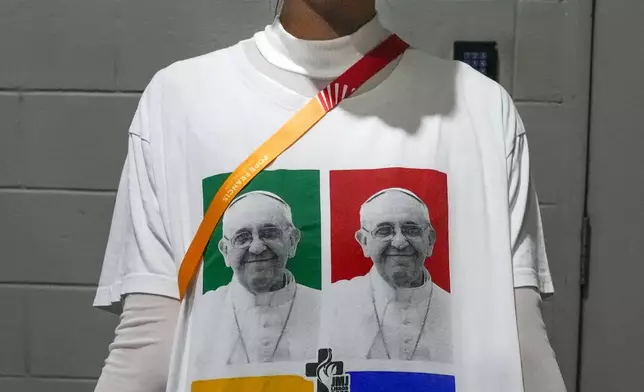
(482, 56)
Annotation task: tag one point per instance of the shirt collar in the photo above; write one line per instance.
(325, 59)
(385, 293)
(244, 299)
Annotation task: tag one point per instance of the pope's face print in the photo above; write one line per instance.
(397, 235)
(258, 239)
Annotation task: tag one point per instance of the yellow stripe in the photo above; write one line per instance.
(290, 132)
(255, 384)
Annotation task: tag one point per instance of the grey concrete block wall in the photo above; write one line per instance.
(53, 236)
(11, 384)
(434, 26)
(85, 153)
(540, 51)
(13, 339)
(71, 72)
(58, 44)
(11, 140)
(65, 334)
(156, 33)
(52, 339)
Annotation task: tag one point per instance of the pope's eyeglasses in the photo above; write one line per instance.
(387, 232)
(244, 238)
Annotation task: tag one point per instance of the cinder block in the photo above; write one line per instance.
(67, 337)
(11, 141)
(45, 385)
(49, 385)
(76, 141)
(57, 44)
(542, 51)
(13, 384)
(156, 33)
(12, 336)
(557, 140)
(434, 26)
(53, 237)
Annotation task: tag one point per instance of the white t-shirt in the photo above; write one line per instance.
(413, 198)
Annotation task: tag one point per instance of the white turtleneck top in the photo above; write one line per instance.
(159, 204)
(317, 59)
(305, 67)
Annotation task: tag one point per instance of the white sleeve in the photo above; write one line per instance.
(529, 259)
(139, 357)
(541, 371)
(138, 258)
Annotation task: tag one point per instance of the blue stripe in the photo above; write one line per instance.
(401, 382)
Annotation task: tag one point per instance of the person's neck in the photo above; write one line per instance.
(418, 281)
(278, 284)
(415, 281)
(282, 291)
(386, 291)
(304, 21)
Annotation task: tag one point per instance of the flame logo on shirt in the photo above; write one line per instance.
(326, 371)
(330, 374)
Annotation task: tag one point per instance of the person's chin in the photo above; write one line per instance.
(401, 269)
(400, 273)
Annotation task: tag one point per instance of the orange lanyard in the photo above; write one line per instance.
(341, 88)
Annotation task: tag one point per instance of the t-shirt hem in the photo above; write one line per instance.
(526, 277)
(109, 297)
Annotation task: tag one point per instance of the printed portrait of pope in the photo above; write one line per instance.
(263, 315)
(395, 311)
